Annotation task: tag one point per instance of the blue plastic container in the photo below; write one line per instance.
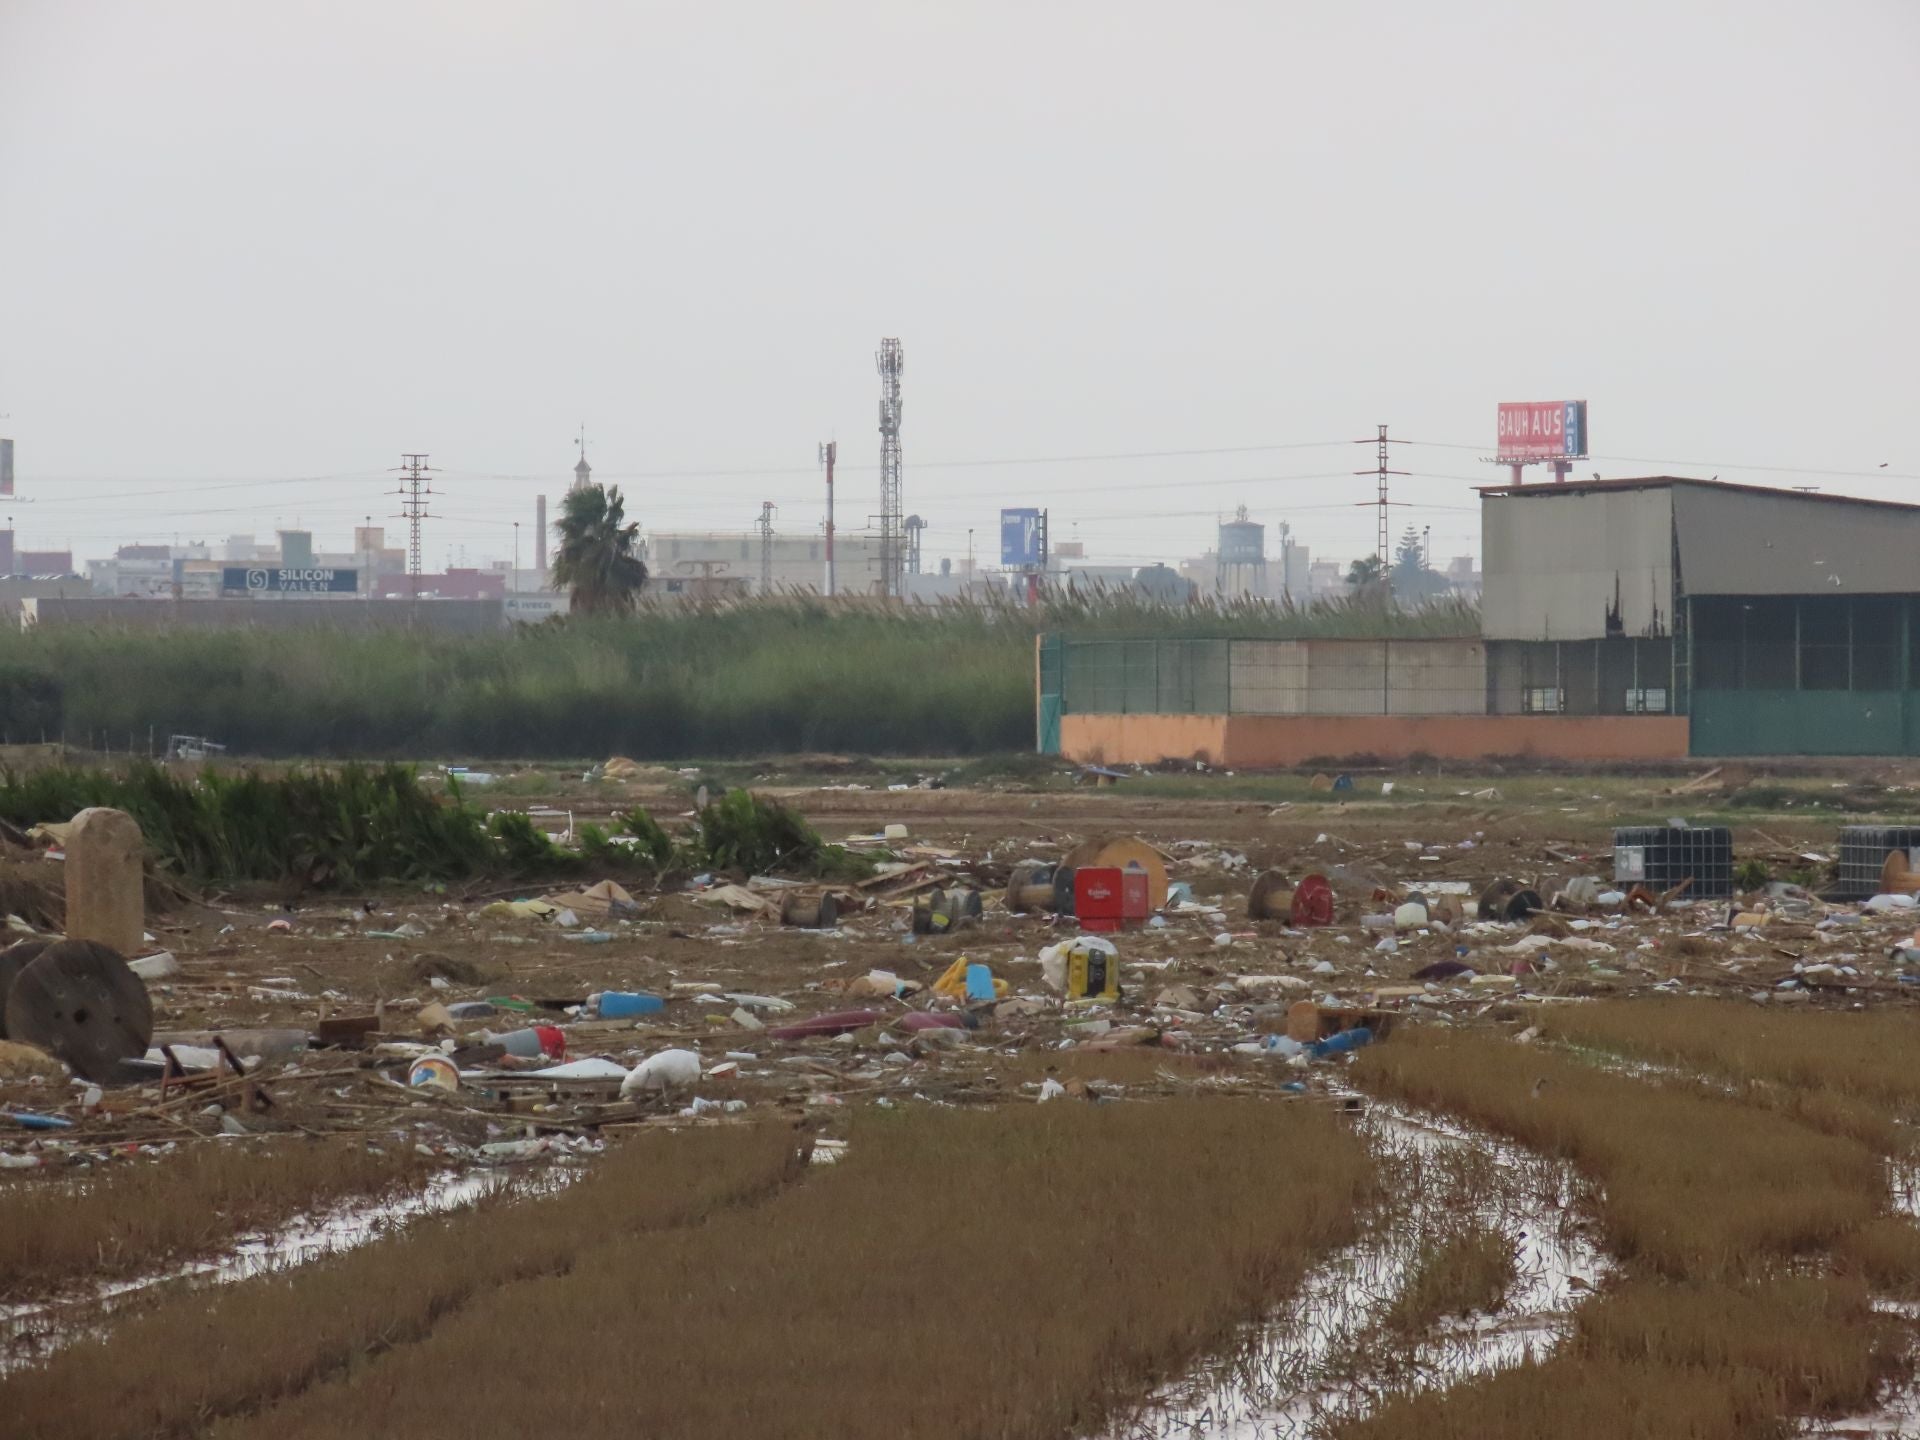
(1340, 1043)
(622, 1004)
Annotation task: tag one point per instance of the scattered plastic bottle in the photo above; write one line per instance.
(622, 1004)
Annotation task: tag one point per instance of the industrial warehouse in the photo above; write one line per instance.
(1621, 620)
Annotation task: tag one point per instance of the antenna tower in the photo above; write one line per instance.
(413, 492)
(765, 526)
(1381, 471)
(829, 452)
(891, 361)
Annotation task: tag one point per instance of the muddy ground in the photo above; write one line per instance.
(261, 962)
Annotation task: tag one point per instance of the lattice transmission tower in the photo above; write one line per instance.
(413, 492)
(893, 538)
(765, 526)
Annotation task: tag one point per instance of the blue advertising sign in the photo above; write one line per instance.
(1020, 536)
(270, 580)
(1576, 428)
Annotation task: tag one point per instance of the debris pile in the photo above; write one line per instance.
(516, 1026)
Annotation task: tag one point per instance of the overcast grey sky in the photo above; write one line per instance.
(250, 252)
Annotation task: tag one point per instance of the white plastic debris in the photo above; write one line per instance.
(594, 1069)
(662, 1071)
(160, 965)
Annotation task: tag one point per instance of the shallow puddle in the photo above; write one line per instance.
(32, 1331)
(1326, 1358)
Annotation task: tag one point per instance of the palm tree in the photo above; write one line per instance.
(1367, 572)
(595, 559)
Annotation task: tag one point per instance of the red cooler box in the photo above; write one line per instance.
(1099, 897)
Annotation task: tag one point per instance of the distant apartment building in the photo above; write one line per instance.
(730, 562)
(1463, 573)
(32, 562)
(1282, 576)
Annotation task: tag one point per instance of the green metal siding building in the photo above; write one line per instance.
(1779, 622)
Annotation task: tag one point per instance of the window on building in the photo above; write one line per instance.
(1543, 700)
(1647, 701)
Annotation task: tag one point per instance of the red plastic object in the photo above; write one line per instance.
(928, 1020)
(1136, 895)
(1313, 902)
(553, 1041)
(840, 1022)
(1097, 903)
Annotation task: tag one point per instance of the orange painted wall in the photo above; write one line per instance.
(1257, 741)
(1124, 739)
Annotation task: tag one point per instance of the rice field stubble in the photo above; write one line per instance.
(1732, 1315)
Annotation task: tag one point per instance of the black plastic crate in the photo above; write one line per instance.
(1661, 856)
(1864, 850)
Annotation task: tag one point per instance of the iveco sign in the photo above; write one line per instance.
(257, 580)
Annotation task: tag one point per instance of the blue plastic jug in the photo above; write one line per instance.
(622, 1004)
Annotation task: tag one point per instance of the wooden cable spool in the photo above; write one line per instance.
(1508, 899)
(810, 912)
(15, 958)
(1307, 904)
(1897, 877)
(1271, 897)
(1030, 888)
(1063, 901)
(1118, 852)
(941, 911)
(78, 1000)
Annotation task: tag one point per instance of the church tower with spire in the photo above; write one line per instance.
(582, 472)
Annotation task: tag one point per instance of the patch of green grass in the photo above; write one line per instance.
(747, 833)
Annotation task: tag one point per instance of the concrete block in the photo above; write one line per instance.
(106, 897)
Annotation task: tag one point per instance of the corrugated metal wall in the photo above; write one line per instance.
(1273, 677)
(1805, 674)
(1736, 542)
(1144, 677)
(1558, 564)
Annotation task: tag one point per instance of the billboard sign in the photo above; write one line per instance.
(6, 467)
(1543, 429)
(1021, 534)
(267, 580)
